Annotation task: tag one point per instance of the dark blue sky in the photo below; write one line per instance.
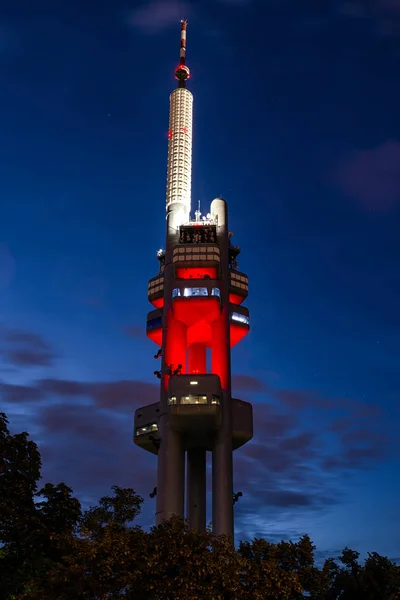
(297, 125)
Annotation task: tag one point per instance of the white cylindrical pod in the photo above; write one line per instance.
(219, 212)
(179, 175)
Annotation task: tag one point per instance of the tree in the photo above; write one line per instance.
(377, 579)
(105, 554)
(20, 465)
(19, 474)
(36, 527)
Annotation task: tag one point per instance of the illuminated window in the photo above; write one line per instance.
(172, 400)
(215, 399)
(190, 292)
(146, 429)
(240, 318)
(216, 292)
(176, 292)
(192, 399)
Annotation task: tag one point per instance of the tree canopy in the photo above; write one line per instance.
(51, 549)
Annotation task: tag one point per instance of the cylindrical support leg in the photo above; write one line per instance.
(222, 475)
(196, 488)
(170, 475)
(197, 358)
(222, 481)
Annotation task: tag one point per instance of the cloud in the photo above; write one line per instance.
(29, 358)
(247, 383)
(293, 465)
(7, 262)
(391, 5)
(380, 17)
(123, 394)
(117, 396)
(237, 2)
(91, 450)
(18, 394)
(135, 331)
(372, 177)
(360, 9)
(288, 498)
(26, 349)
(153, 17)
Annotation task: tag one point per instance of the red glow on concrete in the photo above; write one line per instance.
(236, 298)
(155, 335)
(158, 302)
(175, 345)
(196, 272)
(192, 310)
(200, 333)
(219, 353)
(237, 333)
(197, 362)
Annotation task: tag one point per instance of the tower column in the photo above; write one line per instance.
(171, 452)
(222, 460)
(196, 488)
(170, 474)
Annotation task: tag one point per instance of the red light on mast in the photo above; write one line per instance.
(170, 134)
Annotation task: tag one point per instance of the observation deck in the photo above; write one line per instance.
(195, 405)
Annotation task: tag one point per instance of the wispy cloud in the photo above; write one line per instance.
(237, 2)
(382, 15)
(25, 349)
(135, 331)
(364, 9)
(153, 17)
(372, 177)
(290, 468)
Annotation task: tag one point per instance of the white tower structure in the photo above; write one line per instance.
(179, 175)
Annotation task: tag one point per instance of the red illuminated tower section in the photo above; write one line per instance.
(198, 317)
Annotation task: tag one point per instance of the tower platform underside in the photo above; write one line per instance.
(197, 422)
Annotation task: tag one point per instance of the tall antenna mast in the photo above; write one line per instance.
(182, 72)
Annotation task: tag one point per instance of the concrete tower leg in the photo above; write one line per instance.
(222, 475)
(171, 453)
(222, 467)
(170, 476)
(196, 488)
(222, 479)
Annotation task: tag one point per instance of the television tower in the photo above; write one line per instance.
(198, 316)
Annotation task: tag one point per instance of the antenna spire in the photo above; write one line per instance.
(182, 72)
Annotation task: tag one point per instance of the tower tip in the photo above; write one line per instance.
(182, 72)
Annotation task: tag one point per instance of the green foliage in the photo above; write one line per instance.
(51, 550)
(20, 465)
(114, 512)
